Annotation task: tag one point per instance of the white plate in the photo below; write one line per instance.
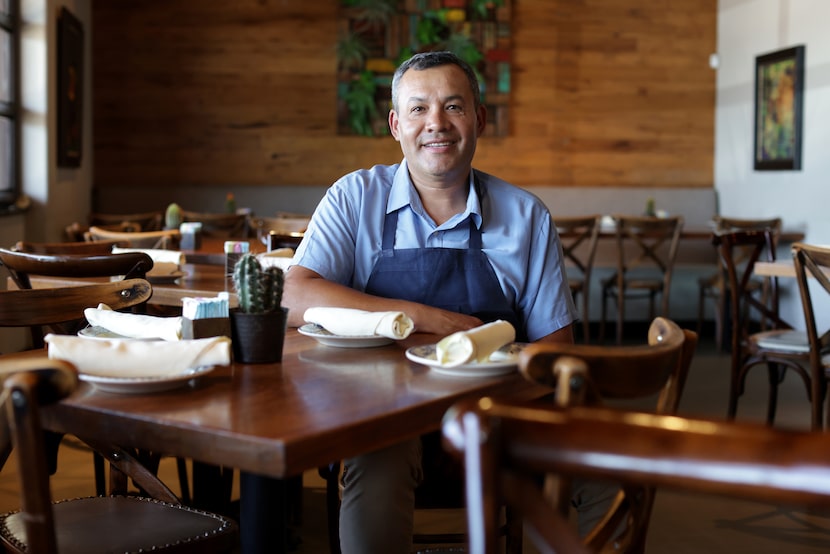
(140, 385)
(502, 361)
(324, 337)
(98, 332)
(161, 279)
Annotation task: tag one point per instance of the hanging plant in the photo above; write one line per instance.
(360, 100)
(375, 13)
(351, 52)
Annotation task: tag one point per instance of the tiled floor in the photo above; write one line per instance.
(681, 523)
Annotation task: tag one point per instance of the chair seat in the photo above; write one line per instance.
(96, 524)
(783, 341)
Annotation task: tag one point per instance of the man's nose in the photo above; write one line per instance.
(436, 120)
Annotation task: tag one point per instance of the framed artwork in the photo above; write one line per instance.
(779, 84)
(70, 89)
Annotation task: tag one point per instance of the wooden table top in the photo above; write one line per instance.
(319, 405)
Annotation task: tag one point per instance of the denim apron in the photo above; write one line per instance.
(460, 280)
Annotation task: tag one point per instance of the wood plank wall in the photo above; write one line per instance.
(607, 93)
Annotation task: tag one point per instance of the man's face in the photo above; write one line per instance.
(437, 123)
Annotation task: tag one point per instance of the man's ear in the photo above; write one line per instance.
(481, 114)
(393, 124)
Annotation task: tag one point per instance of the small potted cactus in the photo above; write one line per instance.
(258, 325)
(173, 216)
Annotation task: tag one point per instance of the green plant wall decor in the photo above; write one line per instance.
(374, 36)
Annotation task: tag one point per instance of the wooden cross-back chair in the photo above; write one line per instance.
(39, 308)
(119, 523)
(578, 236)
(138, 222)
(652, 375)
(508, 448)
(714, 286)
(759, 337)
(812, 265)
(646, 252)
(167, 239)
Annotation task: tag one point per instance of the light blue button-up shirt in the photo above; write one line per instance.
(344, 238)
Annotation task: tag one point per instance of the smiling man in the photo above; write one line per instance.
(451, 246)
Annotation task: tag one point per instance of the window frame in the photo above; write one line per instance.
(10, 110)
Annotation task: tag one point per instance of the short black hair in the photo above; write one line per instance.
(427, 60)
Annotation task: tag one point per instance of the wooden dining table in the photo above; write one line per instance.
(272, 421)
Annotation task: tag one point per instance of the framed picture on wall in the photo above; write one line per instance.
(779, 84)
(70, 89)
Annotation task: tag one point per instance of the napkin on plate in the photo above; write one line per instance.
(348, 322)
(136, 358)
(165, 262)
(475, 344)
(135, 326)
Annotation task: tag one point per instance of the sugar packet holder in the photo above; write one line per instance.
(205, 317)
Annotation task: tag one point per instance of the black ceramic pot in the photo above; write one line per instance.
(258, 338)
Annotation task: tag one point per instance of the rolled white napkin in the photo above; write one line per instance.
(135, 358)
(165, 262)
(349, 322)
(475, 344)
(135, 326)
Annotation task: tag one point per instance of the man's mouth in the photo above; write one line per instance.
(443, 144)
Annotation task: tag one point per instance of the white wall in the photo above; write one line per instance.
(59, 195)
(746, 29)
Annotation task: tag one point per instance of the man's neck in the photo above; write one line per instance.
(443, 201)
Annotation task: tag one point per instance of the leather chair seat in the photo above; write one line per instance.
(96, 524)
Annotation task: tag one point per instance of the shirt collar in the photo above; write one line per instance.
(403, 194)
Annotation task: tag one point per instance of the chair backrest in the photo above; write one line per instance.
(75, 247)
(732, 224)
(221, 225)
(587, 375)
(813, 261)
(165, 239)
(508, 448)
(28, 307)
(725, 224)
(22, 264)
(579, 236)
(737, 253)
(137, 222)
(28, 384)
(649, 244)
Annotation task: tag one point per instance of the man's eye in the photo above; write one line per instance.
(454, 107)
(416, 109)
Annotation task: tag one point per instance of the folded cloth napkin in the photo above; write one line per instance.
(136, 358)
(475, 344)
(165, 262)
(135, 326)
(348, 322)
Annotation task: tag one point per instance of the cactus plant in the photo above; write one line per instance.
(259, 290)
(173, 216)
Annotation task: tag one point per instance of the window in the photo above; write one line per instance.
(9, 103)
